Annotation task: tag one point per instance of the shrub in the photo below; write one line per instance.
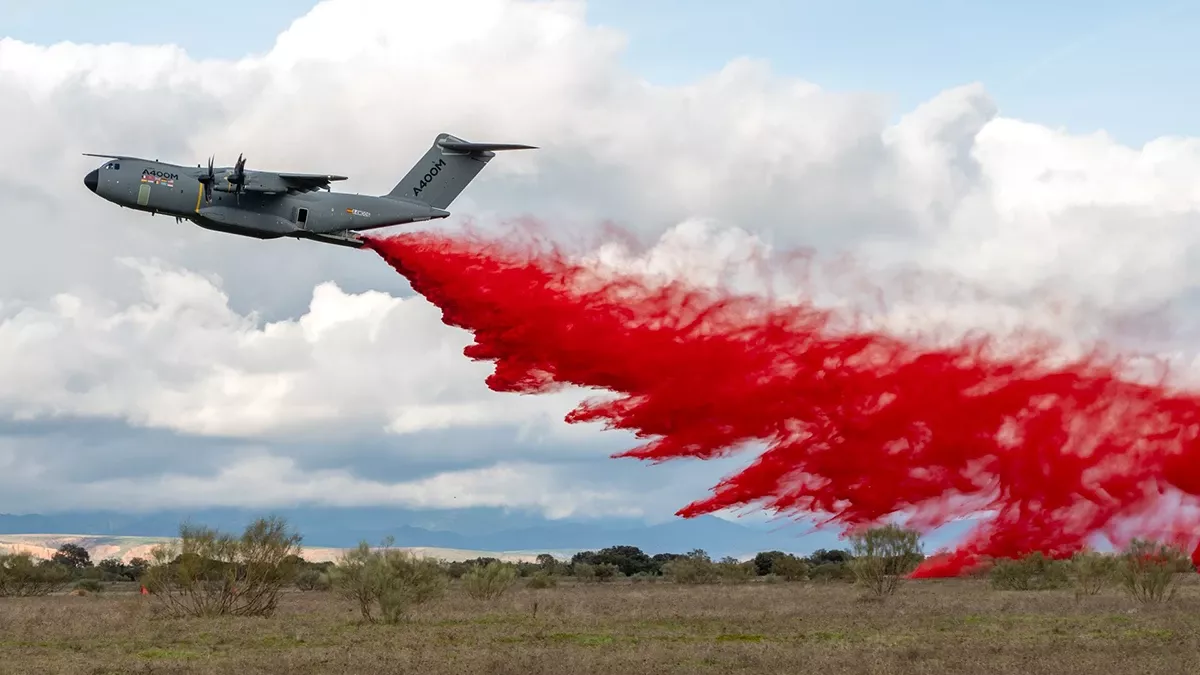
(21, 576)
(313, 579)
(829, 572)
(584, 571)
(395, 581)
(694, 568)
(541, 580)
(731, 570)
(1093, 572)
(89, 585)
(883, 555)
(490, 581)
(1147, 570)
(790, 568)
(207, 573)
(112, 569)
(764, 562)
(607, 571)
(551, 565)
(1033, 572)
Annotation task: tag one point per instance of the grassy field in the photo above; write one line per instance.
(945, 626)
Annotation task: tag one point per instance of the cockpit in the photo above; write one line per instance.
(116, 166)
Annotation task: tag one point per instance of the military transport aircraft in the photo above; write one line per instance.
(270, 205)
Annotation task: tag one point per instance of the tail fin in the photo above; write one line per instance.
(446, 169)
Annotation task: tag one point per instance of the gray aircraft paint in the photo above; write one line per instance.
(273, 204)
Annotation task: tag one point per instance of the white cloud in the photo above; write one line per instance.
(276, 340)
(266, 481)
(183, 360)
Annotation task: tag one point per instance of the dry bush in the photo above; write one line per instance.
(1148, 570)
(542, 580)
(883, 556)
(490, 581)
(208, 573)
(22, 576)
(1092, 572)
(1034, 572)
(395, 581)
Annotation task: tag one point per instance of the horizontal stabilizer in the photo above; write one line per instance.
(464, 146)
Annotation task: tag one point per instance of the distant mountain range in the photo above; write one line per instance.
(474, 529)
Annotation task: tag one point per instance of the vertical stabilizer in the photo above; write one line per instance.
(446, 169)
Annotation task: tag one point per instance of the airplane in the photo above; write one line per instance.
(272, 205)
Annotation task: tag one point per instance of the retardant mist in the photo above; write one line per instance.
(859, 425)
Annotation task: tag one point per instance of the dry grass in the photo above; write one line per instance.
(952, 626)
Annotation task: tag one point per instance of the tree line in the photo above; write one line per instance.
(72, 563)
(207, 573)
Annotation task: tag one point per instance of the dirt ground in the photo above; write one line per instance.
(948, 626)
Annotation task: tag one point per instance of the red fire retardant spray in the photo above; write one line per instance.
(859, 426)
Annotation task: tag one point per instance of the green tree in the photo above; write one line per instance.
(883, 556)
(113, 569)
(73, 556)
(764, 562)
(630, 560)
(138, 567)
(550, 565)
(825, 557)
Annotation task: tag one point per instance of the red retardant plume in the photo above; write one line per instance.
(857, 425)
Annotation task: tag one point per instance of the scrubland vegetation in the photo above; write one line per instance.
(249, 602)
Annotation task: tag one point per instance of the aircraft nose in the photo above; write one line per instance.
(92, 179)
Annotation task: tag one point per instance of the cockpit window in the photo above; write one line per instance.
(116, 166)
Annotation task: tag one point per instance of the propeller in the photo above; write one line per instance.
(207, 181)
(238, 178)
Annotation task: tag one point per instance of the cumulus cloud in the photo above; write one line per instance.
(181, 359)
(112, 315)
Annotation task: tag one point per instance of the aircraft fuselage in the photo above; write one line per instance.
(175, 190)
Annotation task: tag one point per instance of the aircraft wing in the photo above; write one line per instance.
(272, 182)
(120, 157)
(308, 182)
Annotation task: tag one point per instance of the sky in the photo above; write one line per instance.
(1038, 153)
(1106, 65)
